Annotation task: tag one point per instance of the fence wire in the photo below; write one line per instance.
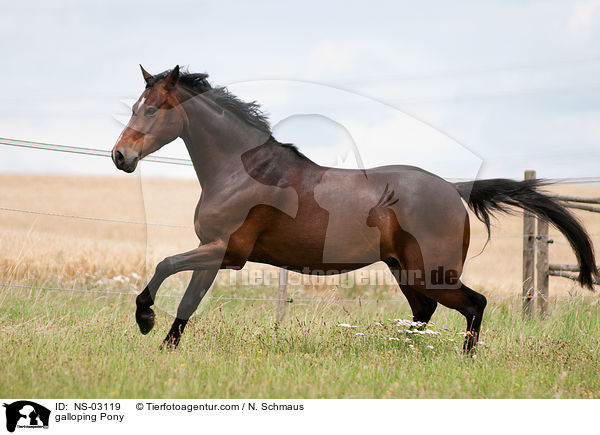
(86, 151)
(287, 299)
(93, 218)
(157, 224)
(185, 162)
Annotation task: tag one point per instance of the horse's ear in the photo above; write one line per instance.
(171, 79)
(146, 74)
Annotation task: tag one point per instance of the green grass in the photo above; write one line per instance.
(59, 345)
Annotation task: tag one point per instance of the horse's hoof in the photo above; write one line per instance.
(145, 319)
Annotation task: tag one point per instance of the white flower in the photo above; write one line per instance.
(345, 325)
(422, 332)
(378, 324)
(404, 322)
(431, 332)
(359, 333)
(393, 338)
(430, 347)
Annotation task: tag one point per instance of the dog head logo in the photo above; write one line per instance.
(26, 414)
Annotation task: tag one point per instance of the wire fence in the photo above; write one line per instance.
(86, 151)
(165, 225)
(186, 162)
(358, 300)
(93, 218)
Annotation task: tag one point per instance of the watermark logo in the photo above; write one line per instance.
(25, 414)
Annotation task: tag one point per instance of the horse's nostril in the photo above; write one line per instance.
(119, 158)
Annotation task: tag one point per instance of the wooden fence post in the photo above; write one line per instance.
(282, 295)
(542, 266)
(528, 256)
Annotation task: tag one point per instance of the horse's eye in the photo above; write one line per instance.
(150, 111)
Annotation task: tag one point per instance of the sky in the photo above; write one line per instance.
(464, 89)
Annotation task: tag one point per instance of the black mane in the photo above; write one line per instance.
(250, 113)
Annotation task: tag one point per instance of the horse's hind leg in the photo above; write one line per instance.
(422, 306)
(467, 302)
(197, 288)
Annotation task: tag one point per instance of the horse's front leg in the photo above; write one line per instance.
(206, 257)
(197, 288)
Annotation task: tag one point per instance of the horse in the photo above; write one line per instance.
(264, 201)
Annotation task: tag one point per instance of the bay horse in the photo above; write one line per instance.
(264, 201)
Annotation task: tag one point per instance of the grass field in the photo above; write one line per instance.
(61, 344)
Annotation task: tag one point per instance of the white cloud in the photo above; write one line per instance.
(584, 19)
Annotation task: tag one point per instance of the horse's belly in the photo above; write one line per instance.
(318, 242)
(350, 240)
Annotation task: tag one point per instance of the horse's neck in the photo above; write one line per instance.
(216, 140)
(275, 164)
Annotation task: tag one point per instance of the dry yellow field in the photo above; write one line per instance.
(73, 252)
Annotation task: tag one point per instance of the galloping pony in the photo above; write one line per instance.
(264, 201)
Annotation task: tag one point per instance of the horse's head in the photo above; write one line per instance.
(157, 119)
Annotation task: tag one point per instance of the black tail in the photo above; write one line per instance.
(496, 195)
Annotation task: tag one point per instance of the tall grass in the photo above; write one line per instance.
(79, 345)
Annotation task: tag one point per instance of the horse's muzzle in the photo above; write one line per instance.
(121, 162)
